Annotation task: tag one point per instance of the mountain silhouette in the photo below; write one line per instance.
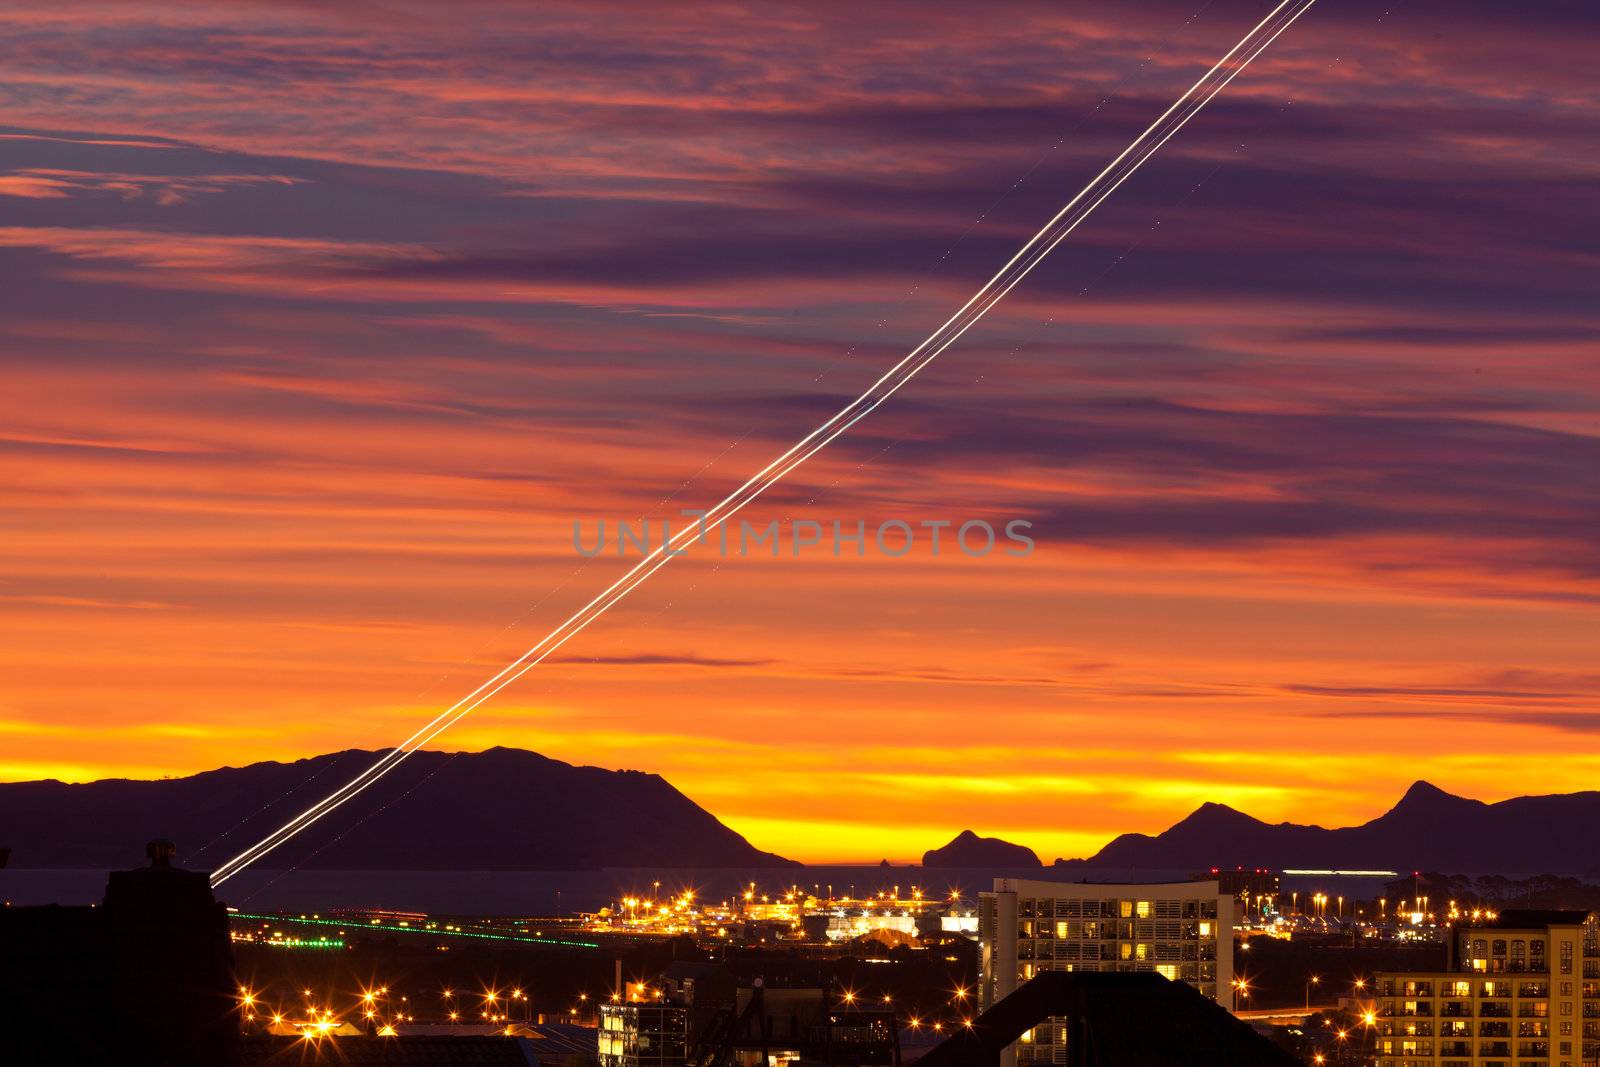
(1427, 829)
(967, 849)
(503, 809)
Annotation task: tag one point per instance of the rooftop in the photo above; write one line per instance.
(1536, 919)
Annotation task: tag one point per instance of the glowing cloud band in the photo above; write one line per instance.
(993, 291)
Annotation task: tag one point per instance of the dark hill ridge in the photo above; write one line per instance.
(970, 850)
(503, 809)
(1428, 828)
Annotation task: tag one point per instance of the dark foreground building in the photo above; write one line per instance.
(145, 979)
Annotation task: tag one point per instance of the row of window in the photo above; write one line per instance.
(1194, 973)
(1590, 1053)
(1522, 1049)
(1492, 987)
(1120, 950)
(1401, 1020)
(1462, 1028)
(1167, 929)
(1078, 908)
(1114, 950)
(1469, 1063)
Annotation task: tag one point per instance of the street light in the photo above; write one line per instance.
(1313, 980)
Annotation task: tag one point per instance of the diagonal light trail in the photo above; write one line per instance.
(991, 293)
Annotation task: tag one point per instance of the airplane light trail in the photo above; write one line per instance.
(991, 293)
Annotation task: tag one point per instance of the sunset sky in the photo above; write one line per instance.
(323, 323)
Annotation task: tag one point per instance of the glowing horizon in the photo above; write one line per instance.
(317, 344)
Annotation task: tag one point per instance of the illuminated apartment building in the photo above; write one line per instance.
(1520, 990)
(643, 1034)
(1183, 930)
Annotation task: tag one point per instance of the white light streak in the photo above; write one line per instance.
(992, 292)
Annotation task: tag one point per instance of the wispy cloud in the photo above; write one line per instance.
(322, 325)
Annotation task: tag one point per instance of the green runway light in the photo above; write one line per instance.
(419, 930)
(304, 942)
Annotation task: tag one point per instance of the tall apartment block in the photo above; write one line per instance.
(1522, 990)
(1183, 930)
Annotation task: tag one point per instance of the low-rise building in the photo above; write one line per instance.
(1519, 990)
(643, 1034)
(1180, 930)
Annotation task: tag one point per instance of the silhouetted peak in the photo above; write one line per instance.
(968, 849)
(410, 820)
(1425, 798)
(1213, 814)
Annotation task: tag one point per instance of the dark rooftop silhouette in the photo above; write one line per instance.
(157, 957)
(1114, 1020)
